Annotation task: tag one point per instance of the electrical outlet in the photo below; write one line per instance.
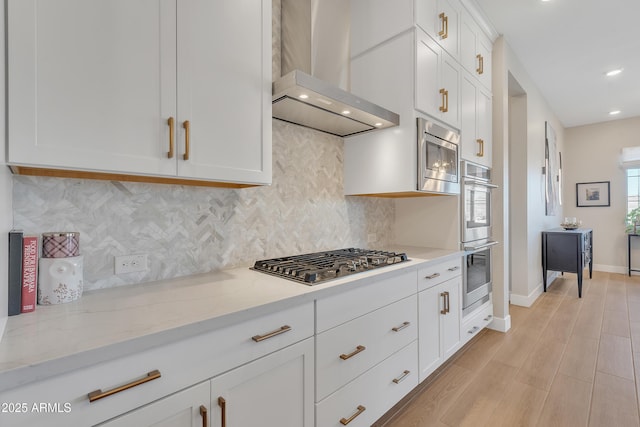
(131, 263)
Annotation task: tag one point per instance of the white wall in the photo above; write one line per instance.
(6, 217)
(593, 154)
(526, 283)
(432, 222)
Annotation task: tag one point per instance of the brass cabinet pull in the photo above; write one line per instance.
(359, 349)
(187, 139)
(172, 128)
(282, 330)
(444, 32)
(445, 296)
(99, 394)
(445, 100)
(480, 152)
(401, 327)
(480, 69)
(454, 268)
(345, 421)
(223, 411)
(401, 378)
(433, 276)
(205, 416)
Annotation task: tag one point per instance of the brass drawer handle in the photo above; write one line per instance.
(445, 296)
(282, 330)
(444, 32)
(223, 410)
(187, 139)
(205, 416)
(480, 152)
(433, 276)
(401, 327)
(345, 421)
(401, 378)
(359, 349)
(172, 124)
(480, 69)
(99, 394)
(445, 100)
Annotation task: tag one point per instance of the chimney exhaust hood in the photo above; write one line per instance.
(315, 68)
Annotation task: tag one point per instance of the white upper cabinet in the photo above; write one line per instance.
(92, 86)
(475, 51)
(476, 121)
(441, 20)
(437, 81)
(224, 89)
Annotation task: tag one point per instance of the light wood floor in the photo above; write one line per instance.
(565, 362)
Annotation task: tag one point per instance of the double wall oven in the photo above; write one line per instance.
(476, 234)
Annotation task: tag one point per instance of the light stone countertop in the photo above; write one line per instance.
(111, 323)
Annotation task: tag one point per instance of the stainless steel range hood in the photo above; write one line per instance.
(313, 91)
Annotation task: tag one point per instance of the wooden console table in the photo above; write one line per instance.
(567, 250)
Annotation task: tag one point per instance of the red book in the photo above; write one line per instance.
(29, 273)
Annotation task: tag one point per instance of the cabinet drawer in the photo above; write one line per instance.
(376, 391)
(475, 322)
(340, 308)
(347, 351)
(181, 364)
(435, 274)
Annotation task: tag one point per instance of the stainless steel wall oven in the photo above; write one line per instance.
(476, 235)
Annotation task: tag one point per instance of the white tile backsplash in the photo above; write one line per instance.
(187, 230)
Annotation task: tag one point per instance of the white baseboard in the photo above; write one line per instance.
(527, 300)
(500, 324)
(610, 268)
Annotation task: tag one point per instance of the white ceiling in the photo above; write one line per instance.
(566, 46)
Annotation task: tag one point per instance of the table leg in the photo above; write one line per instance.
(579, 284)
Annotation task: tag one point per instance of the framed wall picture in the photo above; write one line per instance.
(593, 194)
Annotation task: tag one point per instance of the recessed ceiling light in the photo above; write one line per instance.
(545, 1)
(613, 72)
(304, 96)
(613, 113)
(378, 124)
(346, 112)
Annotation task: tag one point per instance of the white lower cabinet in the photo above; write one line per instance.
(133, 382)
(475, 322)
(345, 352)
(439, 311)
(368, 397)
(274, 391)
(366, 350)
(188, 408)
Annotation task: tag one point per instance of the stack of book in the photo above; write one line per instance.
(23, 272)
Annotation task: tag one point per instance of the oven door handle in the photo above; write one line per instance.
(484, 184)
(477, 248)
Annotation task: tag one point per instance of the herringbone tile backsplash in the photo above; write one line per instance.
(188, 230)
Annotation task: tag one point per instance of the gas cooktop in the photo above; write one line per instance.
(319, 267)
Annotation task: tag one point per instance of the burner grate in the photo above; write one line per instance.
(319, 267)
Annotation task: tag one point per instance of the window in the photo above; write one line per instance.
(633, 189)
